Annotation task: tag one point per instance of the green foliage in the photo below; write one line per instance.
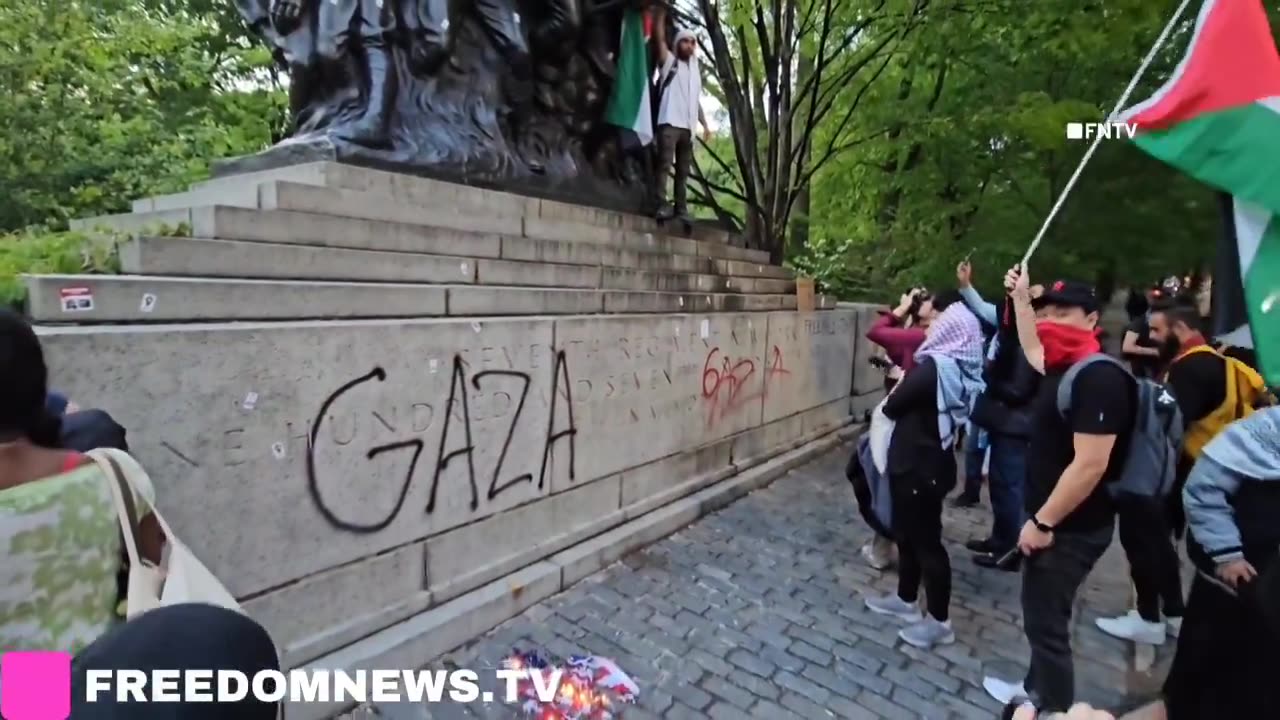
(109, 100)
(42, 252)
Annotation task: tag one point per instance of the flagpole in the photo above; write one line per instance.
(1124, 98)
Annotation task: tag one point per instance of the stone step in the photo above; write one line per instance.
(737, 268)
(192, 257)
(90, 299)
(239, 223)
(369, 205)
(413, 189)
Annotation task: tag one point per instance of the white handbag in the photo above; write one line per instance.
(183, 578)
(879, 435)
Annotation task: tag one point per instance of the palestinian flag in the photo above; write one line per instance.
(1218, 120)
(629, 100)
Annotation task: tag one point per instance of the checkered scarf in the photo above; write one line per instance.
(955, 344)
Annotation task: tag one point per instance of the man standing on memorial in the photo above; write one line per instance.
(679, 110)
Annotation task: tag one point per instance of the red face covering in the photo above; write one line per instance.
(1065, 345)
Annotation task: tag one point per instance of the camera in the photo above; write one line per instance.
(879, 363)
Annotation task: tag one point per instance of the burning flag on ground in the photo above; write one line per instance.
(591, 687)
(1217, 119)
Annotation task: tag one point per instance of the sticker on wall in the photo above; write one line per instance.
(277, 450)
(433, 364)
(250, 401)
(475, 326)
(705, 330)
(148, 303)
(466, 269)
(76, 299)
(681, 299)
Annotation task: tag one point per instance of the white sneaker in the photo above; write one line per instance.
(1131, 626)
(1003, 691)
(879, 553)
(1174, 625)
(894, 606)
(927, 633)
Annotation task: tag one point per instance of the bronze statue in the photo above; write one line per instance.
(507, 93)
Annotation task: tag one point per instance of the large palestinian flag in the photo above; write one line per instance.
(1218, 120)
(629, 100)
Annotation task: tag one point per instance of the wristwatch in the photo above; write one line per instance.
(1041, 526)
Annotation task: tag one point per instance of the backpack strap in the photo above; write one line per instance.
(1069, 379)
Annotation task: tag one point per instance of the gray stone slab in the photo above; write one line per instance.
(480, 301)
(345, 203)
(740, 268)
(626, 279)
(232, 223)
(807, 361)
(651, 385)
(273, 424)
(131, 298)
(505, 272)
(661, 302)
(238, 259)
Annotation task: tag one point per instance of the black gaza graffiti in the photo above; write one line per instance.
(457, 393)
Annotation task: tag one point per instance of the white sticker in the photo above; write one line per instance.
(434, 364)
(250, 401)
(465, 269)
(749, 325)
(705, 330)
(148, 303)
(681, 298)
(759, 268)
(76, 299)
(700, 280)
(677, 328)
(475, 326)
(277, 449)
(649, 238)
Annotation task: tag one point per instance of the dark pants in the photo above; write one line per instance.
(1007, 481)
(1050, 580)
(177, 637)
(862, 493)
(675, 150)
(922, 558)
(1228, 658)
(1153, 561)
(974, 457)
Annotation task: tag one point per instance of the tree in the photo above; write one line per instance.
(108, 100)
(782, 68)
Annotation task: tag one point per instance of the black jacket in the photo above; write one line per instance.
(1004, 407)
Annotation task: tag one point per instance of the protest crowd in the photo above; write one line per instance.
(1177, 441)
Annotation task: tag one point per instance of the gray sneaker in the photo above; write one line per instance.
(927, 633)
(894, 606)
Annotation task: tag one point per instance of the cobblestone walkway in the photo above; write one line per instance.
(756, 612)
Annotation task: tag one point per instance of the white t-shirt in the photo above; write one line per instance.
(679, 104)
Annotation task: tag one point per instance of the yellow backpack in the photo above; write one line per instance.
(1246, 391)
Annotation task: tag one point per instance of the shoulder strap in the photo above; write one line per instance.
(129, 478)
(1069, 378)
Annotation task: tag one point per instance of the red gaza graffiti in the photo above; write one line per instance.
(724, 382)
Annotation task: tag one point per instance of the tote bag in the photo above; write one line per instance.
(879, 435)
(183, 579)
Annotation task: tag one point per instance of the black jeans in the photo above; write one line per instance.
(922, 558)
(1050, 580)
(675, 150)
(1153, 561)
(176, 637)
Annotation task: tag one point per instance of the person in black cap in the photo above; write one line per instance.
(1071, 458)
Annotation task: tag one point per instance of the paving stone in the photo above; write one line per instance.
(805, 707)
(752, 663)
(712, 663)
(683, 712)
(691, 695)
(807, 688)
(722, 711)
(728, 691)
(885, 708)
(766, 710)
(808, 652)
(755, 684)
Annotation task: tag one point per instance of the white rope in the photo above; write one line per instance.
(1066, 190)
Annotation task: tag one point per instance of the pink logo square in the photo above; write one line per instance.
(35, 686)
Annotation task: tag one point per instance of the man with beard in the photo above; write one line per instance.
(679, 110)
(1212, 391)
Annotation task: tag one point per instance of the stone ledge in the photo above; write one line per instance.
(435, 632)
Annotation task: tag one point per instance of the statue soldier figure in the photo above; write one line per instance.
(323, 42)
